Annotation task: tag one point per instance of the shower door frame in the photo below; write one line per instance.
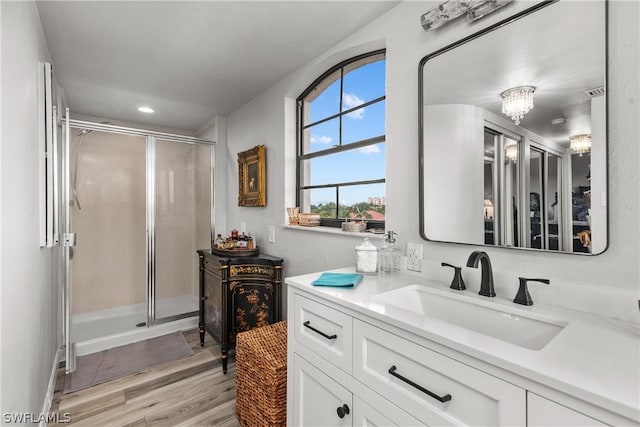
(150, 273)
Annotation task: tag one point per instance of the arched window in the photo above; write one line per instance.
(341, 143)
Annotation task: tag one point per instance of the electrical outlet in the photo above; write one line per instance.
(414, 256)
(243, 227)
(272, 234)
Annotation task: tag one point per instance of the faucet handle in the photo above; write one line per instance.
(457, 283)
(523, 297)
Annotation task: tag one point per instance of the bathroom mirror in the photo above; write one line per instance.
(513, 133)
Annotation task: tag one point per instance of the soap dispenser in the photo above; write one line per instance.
(390, 255)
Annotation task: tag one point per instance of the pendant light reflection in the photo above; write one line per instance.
(517, 101)
(580, 144)
(511, 152)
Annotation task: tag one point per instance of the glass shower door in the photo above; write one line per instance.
(107, 210)
(182, 225)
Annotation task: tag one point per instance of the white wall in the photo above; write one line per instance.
(270, 119)
(216, 130)
(454, 138)
(29, 297)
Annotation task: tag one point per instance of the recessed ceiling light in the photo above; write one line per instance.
(147, 110)
(559, 121)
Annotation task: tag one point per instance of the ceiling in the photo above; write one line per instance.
(189, 61)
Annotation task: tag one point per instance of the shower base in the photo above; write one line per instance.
(103, 329)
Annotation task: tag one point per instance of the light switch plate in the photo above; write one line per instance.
(272, 234)
(414, 256)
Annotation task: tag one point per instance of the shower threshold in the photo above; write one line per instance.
(103, 329)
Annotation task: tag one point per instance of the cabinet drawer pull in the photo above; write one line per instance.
(443, 399)
(329, 337)
(343, 410)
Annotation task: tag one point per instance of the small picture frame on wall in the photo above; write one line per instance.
(252, 189)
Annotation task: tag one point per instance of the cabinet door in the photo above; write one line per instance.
(213, 305)
(317, 398)
(544, 412)
(251, 306)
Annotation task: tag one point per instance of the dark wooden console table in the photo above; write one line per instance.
(237, 294)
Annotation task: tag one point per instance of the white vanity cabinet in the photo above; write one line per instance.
(393, 366)
(341, 361)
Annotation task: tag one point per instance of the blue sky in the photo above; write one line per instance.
(360, 85)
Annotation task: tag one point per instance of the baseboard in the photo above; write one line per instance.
(48, 398)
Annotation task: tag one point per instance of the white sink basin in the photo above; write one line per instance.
(511, 325)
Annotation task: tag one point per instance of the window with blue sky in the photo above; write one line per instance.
(342, 144)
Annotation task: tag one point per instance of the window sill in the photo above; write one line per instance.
(333, 230)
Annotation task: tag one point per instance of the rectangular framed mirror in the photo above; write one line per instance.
(513, 133)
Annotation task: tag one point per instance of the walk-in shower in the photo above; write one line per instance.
(140, 203)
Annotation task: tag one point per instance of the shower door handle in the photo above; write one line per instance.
(69, 241)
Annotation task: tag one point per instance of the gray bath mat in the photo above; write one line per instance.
(106, 365)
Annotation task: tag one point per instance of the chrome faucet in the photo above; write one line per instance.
(486, 282)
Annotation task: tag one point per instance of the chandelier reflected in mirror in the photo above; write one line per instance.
(517, 101)
(580, 144)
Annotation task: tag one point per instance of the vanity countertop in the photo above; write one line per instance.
(593, 358)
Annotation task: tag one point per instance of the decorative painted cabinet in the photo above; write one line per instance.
(236, 295)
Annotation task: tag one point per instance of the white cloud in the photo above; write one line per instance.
(349, 101)
(369, 149)
(321, 139)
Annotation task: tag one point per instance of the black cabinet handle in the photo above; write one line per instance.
(443, 399)
(343, 410)
(329, 337)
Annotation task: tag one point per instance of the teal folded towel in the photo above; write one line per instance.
(346, 280)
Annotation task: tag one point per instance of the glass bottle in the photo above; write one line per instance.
(390, 255)
(366, 257)
(242, 241)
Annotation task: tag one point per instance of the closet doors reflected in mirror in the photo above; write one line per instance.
(513, 135)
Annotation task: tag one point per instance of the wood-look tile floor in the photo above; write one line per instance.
(189, 392)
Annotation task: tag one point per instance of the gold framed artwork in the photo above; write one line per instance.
(252, 189)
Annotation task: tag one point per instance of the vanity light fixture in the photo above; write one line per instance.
(580, 144)
(517, 101)
(443, 13)
(481, 8)
(451, 9)
(144, 109)
(511, 152)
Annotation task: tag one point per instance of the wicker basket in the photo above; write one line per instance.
(308, 219)
(261, 376)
